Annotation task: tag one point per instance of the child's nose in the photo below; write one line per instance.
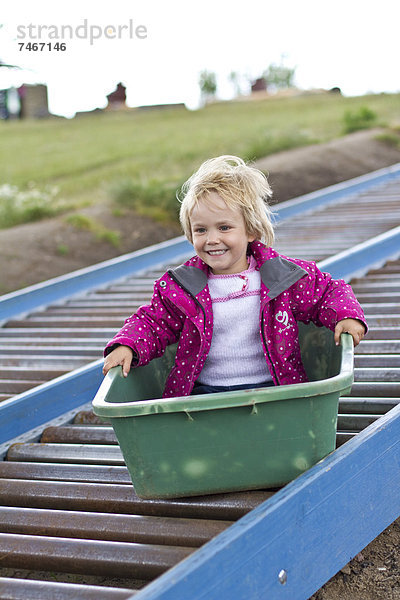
(213, 237)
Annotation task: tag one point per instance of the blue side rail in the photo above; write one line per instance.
(279, 550)
(18, 303)
(293, 543)
(38, 406)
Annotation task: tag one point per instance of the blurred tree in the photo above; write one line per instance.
(2, 64)
(8, 66)
(234, 78)
(8, 96)
(279, 77)
(208, 85)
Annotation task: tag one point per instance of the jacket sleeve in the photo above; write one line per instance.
(323, 300)
(150, 330)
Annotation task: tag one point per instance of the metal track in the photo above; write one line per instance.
(66, 503)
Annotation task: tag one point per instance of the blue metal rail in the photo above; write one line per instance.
(43, 294)
(279, 550)
(290, 545)
(37, 406)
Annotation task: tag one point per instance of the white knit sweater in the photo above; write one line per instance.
(236, 355)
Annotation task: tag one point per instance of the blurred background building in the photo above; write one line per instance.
(26, 102)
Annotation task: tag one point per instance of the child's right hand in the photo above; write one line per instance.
(123, 356)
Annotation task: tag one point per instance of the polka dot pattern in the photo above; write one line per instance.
(173, 315)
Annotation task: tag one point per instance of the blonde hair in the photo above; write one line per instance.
(239, 185)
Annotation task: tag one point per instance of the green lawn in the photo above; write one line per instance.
(153, 150)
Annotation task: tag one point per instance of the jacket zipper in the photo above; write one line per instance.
(204, 315)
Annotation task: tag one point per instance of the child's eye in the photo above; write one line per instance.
(224, 227)
(199, 229)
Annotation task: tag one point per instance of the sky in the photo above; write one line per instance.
(157, 48)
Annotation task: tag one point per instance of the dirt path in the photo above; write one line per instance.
(38, 251)
(302, 170)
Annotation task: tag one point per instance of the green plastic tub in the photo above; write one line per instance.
(251, 439)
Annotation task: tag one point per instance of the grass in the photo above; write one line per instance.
(23, 206)
(362, 118)
(100, 232)
(143, 157)
(390, 137)
(62, 250)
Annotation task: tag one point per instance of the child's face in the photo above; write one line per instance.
(219, 235)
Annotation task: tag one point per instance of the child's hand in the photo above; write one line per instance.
(352, 326)
(123, 356)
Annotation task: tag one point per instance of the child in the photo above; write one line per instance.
(234, 306)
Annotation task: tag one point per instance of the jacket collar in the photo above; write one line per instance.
(277, 273)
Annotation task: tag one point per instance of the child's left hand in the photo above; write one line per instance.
(352, 326)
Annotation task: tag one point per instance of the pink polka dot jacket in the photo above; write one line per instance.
(180, 311)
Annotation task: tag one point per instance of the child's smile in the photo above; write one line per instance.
(219, 235)
(216, 252)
